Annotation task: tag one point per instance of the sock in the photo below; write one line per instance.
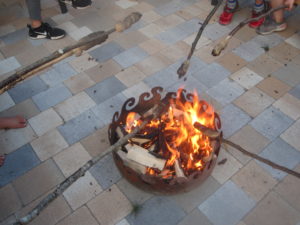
(231, 4)
(259, 7)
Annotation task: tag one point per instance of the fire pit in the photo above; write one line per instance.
(171, 154)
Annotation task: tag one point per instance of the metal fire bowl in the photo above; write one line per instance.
(147, 182)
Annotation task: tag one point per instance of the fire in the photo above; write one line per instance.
(181, 141)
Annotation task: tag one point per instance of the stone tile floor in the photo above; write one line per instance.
(69, 106)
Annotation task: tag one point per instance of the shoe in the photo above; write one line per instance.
(45, 31)
(270, 26)
(226, 16)
(256, 24)
(78, 4)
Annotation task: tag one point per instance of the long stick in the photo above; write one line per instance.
(83, 45)
(157, 109)
(223, 43)
(185, 65)
(261, 159)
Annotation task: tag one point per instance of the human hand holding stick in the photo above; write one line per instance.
(224, 42)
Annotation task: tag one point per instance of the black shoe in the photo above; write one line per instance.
(78, 4)
(45, 31)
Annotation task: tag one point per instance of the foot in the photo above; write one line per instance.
(2, 159)
(45, 31)
(256, 24)
(270, 26)
(12, 122)
(78, 4)
(226, 16)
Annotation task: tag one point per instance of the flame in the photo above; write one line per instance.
(183, 141)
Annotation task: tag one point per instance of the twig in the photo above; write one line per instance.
(223, 43)
(185, 65)
(81, 171)
(83, 45)
(261, 159)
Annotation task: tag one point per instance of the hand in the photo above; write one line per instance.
(289, 3)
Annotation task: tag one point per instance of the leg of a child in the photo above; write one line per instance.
(278, 15)
(34, 10)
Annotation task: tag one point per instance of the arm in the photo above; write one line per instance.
(289, 3)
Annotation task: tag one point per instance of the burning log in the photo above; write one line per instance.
(142, 156)
(207, 131)
(140, 141)
(137, 167)
(178, 170)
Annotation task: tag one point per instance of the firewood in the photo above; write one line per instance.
(178, 169)
(137, 167)
(207, 131)
(208, 158)
(142, 156)
(140, 141)
(119, 132)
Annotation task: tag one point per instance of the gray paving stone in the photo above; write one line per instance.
(157, 210)
(37, 42)
(228, 205)
(195, 218)
(233, 119)
(130, 57)
(271, 123)
(190, 84)
(58, 74)
(106, 109)
(80, 127)
(106, 89)
(215, 31)
(27, 89)
(51, 97)
(226, 91)
(296, 91)
(289, 74)
(281, 153)
(157, 3)
(18, 163)
(106, 172)
(212, 74)
(136, 26)
(8, 65)
(172, 35)
(190, 26)
(267, 40)
(106, 51)
(14, 37)
(164, 78)
(249, 51)
(171, 7)
(5, 101)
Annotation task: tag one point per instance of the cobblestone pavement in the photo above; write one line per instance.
(69, 107)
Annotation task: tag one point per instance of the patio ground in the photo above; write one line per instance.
(69, 106)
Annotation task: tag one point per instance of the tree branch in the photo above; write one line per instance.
(185, 65)
(223, 43)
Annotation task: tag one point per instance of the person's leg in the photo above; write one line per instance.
(34, 10)
(260, 7)
(38, 29)
(229, 9)
(275, 22)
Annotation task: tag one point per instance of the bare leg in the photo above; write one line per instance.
(12, 122)
(278, 15)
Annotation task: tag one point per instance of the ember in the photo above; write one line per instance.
(171, 152)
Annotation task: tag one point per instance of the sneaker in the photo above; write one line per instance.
(270, 26)
(256, 24)
(78, 4)
(45, 31)
(226, 16)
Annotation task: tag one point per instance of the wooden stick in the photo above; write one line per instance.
(185, 65)
(261, 159)
(220, 46)
(81, 171)
(83, 45)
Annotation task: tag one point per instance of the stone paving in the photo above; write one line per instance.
(69, 107)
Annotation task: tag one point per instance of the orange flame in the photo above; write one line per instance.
(183, 141)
